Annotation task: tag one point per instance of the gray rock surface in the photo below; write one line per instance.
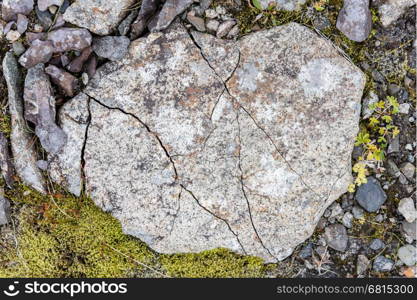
(362, 264)
(336, 237)
(410, 229)
(67, 82)
(170, 10)
(188, 165)
(408, 255)
(4, 209)
(370, 195)
(40, 109)
(65, 167)
(98, 16)
(391, 10)
(376, 244)
(6, 165)
(146, 12)
(11, 8)
(67, 39)
(38, 52)
(44, 4)
(77, 64)
(111, 47)
(407, 208)
(355, 20)
(289, 5)
(383, 264)
(22, 23)
(22, 142)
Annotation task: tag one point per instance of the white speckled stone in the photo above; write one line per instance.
(187, 164)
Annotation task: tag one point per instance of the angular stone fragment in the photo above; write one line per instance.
(147, 11)
(44, 4)
(170, 10)
(65, 167)
(370, 195)
(391, 10)
(98, 16)
(77, 64)
(189, 158)
(355, 20)
(6, 165)
(111, 47)
(22, 23)
(40, 109)
(383, 264)
(407, 208)
(408, 255)
(11, 8)
(22, 142)
(67, 82)
(336, 237)
(38, 52)
(67, 39)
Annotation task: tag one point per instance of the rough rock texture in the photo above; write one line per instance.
(65, 166)
(6, 165)
(355, 20)
(146, 12)
(336, 237)
(170, 10)
(408, 255)
(4, 209)
(391, 10)
(383, 264)
(67, 39)
(40, 109)
(22, 142)
(190, 158)
(407, 208)
(98, 16)
(44, 4)
(77, 63)
(11, 8)
(38, 52)
(111, 47)
(283, 4)
(370, 195)
(67, 82)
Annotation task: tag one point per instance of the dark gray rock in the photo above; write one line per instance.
(170, 10)
(383, 264)
(40, 109)
(376, 244)
(370, 195)
(4, 209)
(38, 52)
(147, 11)
(336, 237)
(111, 47)
(307, 251)
(45, 18)
(6, 164)
(124, 26)
(355, 20)
(66, 39)
(11, 8)
(77, 63)
(67, 82)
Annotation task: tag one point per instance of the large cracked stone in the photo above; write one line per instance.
(215, 144)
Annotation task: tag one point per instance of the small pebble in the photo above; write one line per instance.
(376, 244)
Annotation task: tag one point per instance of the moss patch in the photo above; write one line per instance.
(63, 236)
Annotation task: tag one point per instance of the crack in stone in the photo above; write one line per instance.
(146, 127)
(83, 177)
(217, 217)
(173, 165)
(244, 192)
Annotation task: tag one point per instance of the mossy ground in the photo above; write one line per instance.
(59, 235)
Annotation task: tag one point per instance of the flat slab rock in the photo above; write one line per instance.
(217, 145)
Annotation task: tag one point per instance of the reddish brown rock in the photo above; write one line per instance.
(67, 82)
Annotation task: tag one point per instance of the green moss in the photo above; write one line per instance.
(64, 236)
